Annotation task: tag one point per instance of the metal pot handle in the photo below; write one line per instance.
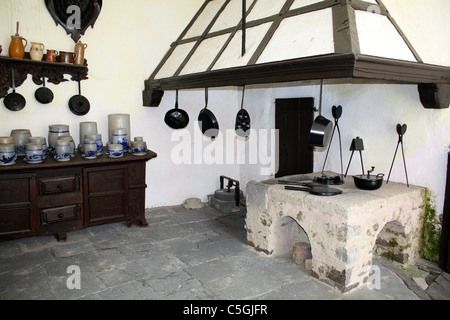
(380, 175)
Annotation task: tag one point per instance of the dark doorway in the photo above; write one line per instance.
(444, 254)
(294, 119)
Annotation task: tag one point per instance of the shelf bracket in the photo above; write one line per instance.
(434, 95)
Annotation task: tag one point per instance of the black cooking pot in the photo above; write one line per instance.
(368, 182)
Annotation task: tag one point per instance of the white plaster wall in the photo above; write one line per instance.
(130, 39)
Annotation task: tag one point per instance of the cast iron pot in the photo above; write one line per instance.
(368, 182)
(176, 118)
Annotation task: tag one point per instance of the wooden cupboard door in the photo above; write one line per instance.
(17, 209)
(105, 194)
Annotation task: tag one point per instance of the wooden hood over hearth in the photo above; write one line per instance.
(243, 42)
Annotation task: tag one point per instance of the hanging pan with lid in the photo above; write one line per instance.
(43, 95)
(207, 120)
(14, 101)
(78, 104)
(242, 126)
(321, 129)
(176, 118)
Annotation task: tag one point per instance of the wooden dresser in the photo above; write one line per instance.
(56, 197)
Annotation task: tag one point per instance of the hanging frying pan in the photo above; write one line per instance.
(242, 126)
(176, 118)
(14, 101)
(316, 190)
(207, 120)
(43, 95)
(78, 104)
(321, 129)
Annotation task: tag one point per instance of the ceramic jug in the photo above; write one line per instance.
(37, 51)
(16, 47)
(79, 53)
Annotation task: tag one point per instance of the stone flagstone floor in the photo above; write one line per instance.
(196, 254)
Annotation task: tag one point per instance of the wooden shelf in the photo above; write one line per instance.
(53, 71)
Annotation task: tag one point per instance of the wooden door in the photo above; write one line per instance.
(293, 119)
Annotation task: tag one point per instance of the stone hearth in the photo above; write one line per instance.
(342, 230)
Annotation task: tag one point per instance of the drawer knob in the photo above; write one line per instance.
(61, 215)
(59, 186)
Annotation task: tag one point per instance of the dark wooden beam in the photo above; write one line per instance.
(434, 95)
(332, 66)
(345, 32)
(180, 38)
(399, 30)
(276, 23)
(197, 44)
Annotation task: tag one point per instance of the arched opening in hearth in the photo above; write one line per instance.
(287, 233)
(391, 242)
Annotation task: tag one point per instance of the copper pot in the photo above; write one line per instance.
(66, 57)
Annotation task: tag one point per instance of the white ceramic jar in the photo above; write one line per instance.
(21, 138)
(120, 136)
(73, 150)
(43, 142)
(115, 150)
(90, 148)
(33, 153)
(7, 154)
(138, 148)
(87, 127)
(55, 131)
(117, 121)
(62, 150)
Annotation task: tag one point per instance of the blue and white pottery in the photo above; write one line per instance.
(138, 148)
(43, 142)
(87, 127)
(7, 154)
(21, 138)
(73, 150)
(33, 152)
(55, 131)
(115, 150)
(62, 151)
(120, 136)
(90, 148)
(98, 138)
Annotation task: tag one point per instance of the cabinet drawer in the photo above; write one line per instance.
(58, 185)
(54, 215)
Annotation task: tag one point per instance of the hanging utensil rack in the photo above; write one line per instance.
(54, 71)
